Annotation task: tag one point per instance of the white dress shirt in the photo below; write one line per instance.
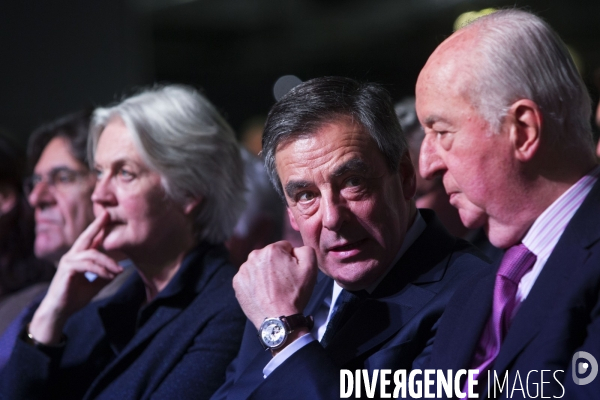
(549, 227)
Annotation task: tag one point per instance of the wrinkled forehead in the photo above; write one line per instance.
(346, 122)
(332, 143)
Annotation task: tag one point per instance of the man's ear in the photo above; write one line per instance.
(8, 199)
(293, 223)
(191, 204)
(524, 120)
(406, 170)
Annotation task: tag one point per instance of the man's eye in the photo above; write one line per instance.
(97, 173)
(353, 181)
(305, 196)
(35, 179)
(63, 177)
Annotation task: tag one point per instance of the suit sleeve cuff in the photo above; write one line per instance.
(287, 353)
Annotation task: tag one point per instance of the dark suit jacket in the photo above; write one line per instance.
(178, 346)
(393, 328)
(559, 316)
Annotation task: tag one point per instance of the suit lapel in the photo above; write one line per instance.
(375, 321)
(571, 253)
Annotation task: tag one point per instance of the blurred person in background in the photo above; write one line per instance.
(59, 190)
(169, 190)
(251, 134)
(431, 193)
(61, 185)
(251, 138)
(261, 222)
(20, 270)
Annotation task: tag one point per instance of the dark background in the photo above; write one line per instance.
(59, 56)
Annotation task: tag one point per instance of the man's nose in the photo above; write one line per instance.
(41, 195)
(430, 162)
(334, 213)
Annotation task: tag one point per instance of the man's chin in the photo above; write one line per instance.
(472, 219)
(52, 254)
(355, 276)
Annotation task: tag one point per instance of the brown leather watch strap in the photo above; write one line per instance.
(298, 320)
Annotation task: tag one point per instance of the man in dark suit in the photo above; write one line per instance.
(335, 153)
(506, 117)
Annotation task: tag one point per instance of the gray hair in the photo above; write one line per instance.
(179, 134)
(308, 106)
(521, 57)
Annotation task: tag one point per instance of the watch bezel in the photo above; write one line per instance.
(275, 320)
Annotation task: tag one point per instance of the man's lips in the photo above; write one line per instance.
(339, 248)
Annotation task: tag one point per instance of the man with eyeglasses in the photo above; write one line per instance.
(59, 190)
(61, 185)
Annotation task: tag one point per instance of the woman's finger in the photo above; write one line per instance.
(98, 269)
(85, 240)
(76, 261)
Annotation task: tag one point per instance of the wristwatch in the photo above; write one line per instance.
(273, 332)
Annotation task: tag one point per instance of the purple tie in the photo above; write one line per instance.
(516, 262)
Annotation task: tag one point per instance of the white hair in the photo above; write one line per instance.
(520, 57)
(179, 134)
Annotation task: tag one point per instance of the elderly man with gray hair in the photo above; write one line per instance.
(507, 123)
(169, 190)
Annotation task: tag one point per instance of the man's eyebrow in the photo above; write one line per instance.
(354, 165)
(432, 119)
(293, 186)
(61, 168)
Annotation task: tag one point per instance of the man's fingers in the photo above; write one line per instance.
(285, 245)
(85, 240)
(305, 255)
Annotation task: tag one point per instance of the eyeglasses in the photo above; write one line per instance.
(60, 179)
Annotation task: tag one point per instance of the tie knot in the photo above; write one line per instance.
(516, 262)
(346, 295)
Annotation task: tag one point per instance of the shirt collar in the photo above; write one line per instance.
(549, 226)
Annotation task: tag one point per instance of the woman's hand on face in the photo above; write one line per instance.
(70, 290)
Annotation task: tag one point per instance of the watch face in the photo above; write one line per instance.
(272, 332)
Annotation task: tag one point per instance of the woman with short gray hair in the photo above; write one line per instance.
(169, 191)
